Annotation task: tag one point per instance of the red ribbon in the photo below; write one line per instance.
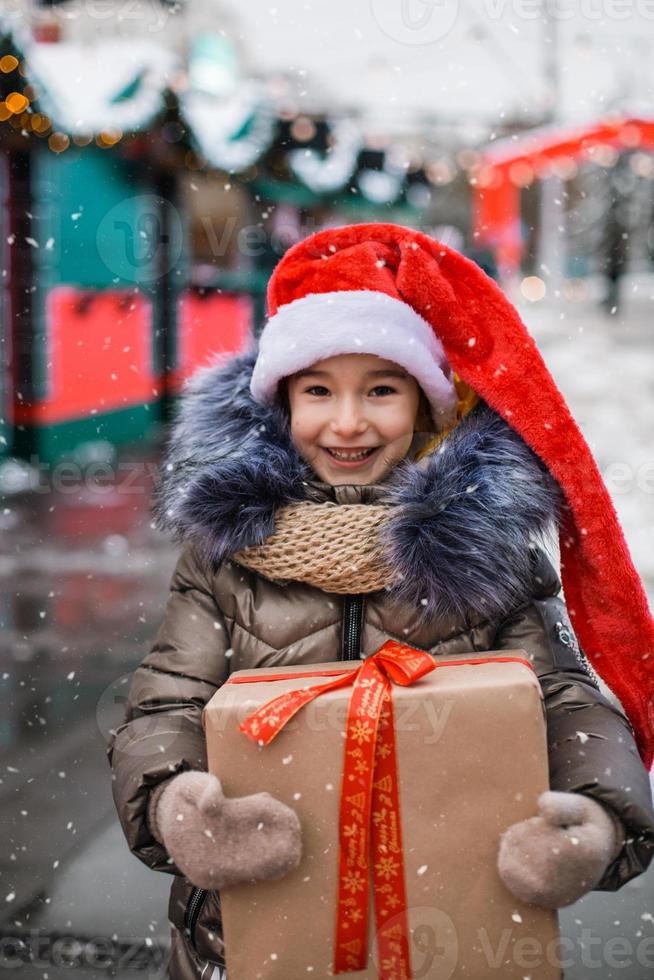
(369, 807)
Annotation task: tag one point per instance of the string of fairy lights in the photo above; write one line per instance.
(395, 172)
(17, 111)
(21, 111)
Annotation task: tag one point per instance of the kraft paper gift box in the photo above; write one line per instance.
(470, 750)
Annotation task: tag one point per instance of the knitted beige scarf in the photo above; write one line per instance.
(334, 547)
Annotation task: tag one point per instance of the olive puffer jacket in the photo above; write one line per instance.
(462, 534)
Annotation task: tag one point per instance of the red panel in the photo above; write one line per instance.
(496, 202)
(553, 142)
(208, 325)
(99, 354)
(497, 223)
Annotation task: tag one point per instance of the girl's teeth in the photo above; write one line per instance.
(350, 456)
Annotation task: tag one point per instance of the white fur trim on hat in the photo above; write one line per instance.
(359, 321)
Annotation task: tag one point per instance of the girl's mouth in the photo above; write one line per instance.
(350, 457)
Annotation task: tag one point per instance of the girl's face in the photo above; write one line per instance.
(353, 416)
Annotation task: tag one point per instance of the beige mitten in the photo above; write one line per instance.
(217, 842)
(553, 859)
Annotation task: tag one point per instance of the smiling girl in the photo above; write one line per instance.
(384, 466)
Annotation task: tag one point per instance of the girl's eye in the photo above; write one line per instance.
(320, 391)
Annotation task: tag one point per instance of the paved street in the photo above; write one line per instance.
(83, 584)
(84, 581)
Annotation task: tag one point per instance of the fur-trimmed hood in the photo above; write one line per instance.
(466, 517)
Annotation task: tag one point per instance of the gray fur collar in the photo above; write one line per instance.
(465, 518)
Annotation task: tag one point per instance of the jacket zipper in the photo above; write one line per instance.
(352, 627)
(193, 907)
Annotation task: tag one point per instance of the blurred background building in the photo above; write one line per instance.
(156, 160)
(160, 157)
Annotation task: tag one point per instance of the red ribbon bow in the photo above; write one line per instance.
(369, 807)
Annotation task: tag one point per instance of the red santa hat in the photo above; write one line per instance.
(388, 290)
(354, 321)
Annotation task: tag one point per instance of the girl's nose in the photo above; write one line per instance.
(348, 420)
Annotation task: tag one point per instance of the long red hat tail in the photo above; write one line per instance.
(488, 346)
